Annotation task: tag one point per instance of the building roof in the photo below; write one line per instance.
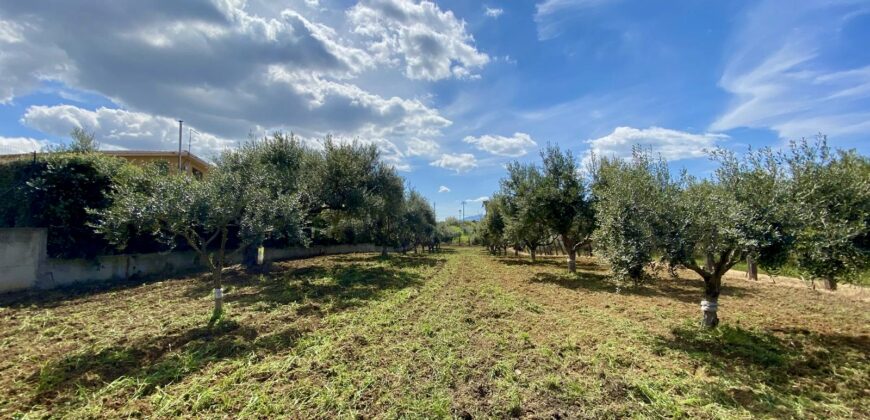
(156, 153)
(131, 153)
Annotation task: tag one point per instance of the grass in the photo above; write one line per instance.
(454, 334)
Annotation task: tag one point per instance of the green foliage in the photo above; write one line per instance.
(494, 223)
(277, 189)
(343, 176)
(565, 207)
(629, 201)
(419, 220)
(57, 191)
(83, 141)
(521, 190)
(831, 196)
(385, 208)
(743, 210)
(248, 191)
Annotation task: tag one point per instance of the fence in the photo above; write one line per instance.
(24, 265)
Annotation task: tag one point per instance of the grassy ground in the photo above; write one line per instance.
(456, 334)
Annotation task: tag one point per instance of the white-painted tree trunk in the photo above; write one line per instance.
(218, 300)
(709, 307)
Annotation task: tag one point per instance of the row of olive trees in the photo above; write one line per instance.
(277, 189)
(537, 206)
(809, 204)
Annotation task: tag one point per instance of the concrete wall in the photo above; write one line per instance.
(58, 272)
(23, 262)
(22, 251)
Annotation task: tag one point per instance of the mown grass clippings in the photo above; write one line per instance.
(454, 334)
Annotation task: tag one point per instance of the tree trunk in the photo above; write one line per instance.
(710, 304)
(751, 269)
(572, 253)
(830, 283)
(384, 251)
(532, 253)
(709, 263)
(218, 292)
(572, 260)
(218, 273)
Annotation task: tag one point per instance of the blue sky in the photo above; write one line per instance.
(449, 91)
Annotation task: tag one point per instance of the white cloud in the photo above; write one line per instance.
(314, 4)
(671, 144)
(493, 12)
(782, 77)
(431, 43)
(443, 189)
(215, 64)
(420, 147)
(514, 146)
(16, 145)
(478, 199)
(552, 15)
(462, 162)
(119, 129)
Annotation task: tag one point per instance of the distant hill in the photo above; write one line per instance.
(475, 218)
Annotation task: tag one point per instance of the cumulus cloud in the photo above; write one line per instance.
(671, 144)
(782, 79)
(212, 63)
(16, 145)
(443, 189)
(514, 146)
(431, 44)
(120, 129)
(420, 147)
(493, 12)
(460, 163)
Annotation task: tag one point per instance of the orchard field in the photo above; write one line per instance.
(457, 333)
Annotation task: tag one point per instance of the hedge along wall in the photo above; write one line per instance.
(55, 191)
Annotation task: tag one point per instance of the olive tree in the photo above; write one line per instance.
(493, 225)
(524, 222)
(385, 208)
(420, 221)
(628, 201)
(831, 200)
(739, 212)
(238, 194)
(563, 204)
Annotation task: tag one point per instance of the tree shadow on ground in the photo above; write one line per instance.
(545, 262)
(153, 362)
(676, 289)
(791, 362)
(55, 297)
(168, 358)
(580, 280)
(343, 285)
(400, 261)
